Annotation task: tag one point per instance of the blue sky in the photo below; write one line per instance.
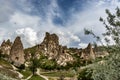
(30, 19)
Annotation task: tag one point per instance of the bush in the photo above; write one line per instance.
(22, 66)
(110, 68)
(85, 75)
(48, 64)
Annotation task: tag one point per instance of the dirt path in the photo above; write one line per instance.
(14, 69)
(28, 77)
(38, 73)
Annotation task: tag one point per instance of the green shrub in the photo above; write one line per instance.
(109, 69)
(85, 74)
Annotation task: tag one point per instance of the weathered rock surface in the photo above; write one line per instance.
(88, 53)
(17, 53)
(50, 47)
(101, 54)
(5, 47)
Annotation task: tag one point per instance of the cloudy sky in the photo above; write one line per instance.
(30, 19)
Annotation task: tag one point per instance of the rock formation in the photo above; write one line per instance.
(50, 47)
(101, 54)
(5, 47)
(17, 53)
(88, 53)
(3, 43)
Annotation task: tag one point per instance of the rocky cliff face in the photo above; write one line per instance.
(17, 53)
(5, 47)
(50, 47)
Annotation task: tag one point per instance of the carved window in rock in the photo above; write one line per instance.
(53, 51)
(17, 58)
(63, 51)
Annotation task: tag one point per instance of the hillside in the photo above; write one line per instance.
(47, 56)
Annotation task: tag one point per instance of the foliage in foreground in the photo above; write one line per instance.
(109, 69)
(85, 74)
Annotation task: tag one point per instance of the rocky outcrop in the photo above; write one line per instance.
(8, 42)
(17, 53)
(50, 47)
(88, 53)
(101, 54)
(3, 43)
(5, 47)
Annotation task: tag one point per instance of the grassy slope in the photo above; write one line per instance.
(36, 77)
(7, 70)
(59, 73)
(5, 64)
(26, 73)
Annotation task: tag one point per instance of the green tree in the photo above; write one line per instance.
(48, 64)
(109, 69)
(35, 63)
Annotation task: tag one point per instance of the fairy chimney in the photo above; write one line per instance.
(5, 47)
(17, 53)
(88, 53)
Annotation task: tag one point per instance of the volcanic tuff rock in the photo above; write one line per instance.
(50, 47)
(88, 53)
(5, 47)
(17, 53)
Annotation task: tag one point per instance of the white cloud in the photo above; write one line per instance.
(66, 37)
(6, 9)
(24, 20)
(80, 20)
(115, 3)
(2, 34)
(83, 45)
(32, 28)
(89, 18)
(29, 36)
